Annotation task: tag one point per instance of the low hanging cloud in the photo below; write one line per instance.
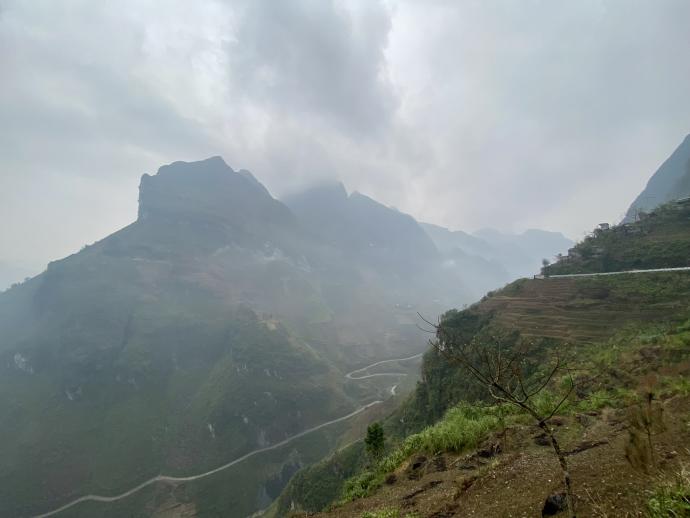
(469, 114)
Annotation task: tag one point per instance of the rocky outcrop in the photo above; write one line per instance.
(208, 189)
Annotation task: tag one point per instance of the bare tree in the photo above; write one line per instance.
(510, 375)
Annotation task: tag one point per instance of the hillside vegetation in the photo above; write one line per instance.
(656, 240)
(622, 335)
(176, 386)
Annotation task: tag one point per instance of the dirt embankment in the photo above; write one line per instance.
(513, 477)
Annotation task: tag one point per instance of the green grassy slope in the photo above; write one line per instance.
(103, 388)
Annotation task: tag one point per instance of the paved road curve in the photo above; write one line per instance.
(652, 270)
(166, 478)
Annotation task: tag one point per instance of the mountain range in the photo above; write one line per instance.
(221, 321)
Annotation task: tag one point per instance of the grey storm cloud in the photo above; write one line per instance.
(315, 59)
(549, 114)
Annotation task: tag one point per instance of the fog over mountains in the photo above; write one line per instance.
(461, 114)
(222, 320)
(181, 336)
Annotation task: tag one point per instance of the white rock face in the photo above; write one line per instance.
(22, 363)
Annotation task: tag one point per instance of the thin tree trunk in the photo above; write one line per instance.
(651, 448)
(648, 428)
(564, 467)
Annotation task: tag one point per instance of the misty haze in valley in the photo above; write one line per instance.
(286, 258)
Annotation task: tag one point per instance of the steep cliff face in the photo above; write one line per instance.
(670, 182)
(682, 188)
(209, 189)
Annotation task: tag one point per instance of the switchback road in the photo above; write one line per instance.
(170, 479)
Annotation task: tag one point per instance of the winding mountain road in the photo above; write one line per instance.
(170, 479)
(355, 374)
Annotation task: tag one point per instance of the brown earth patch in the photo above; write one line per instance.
(517, 481)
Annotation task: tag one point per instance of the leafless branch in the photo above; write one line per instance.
(507, 378)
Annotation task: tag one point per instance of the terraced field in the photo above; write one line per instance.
(587, 310)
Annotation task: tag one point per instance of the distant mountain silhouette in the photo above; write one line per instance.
(508, 256)
(363, 228)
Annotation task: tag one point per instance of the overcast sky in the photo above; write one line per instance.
(509, 114)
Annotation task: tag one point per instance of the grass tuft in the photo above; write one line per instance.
(462, 428)
(671, 500)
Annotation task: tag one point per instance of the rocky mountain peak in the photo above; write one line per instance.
(208, 189)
